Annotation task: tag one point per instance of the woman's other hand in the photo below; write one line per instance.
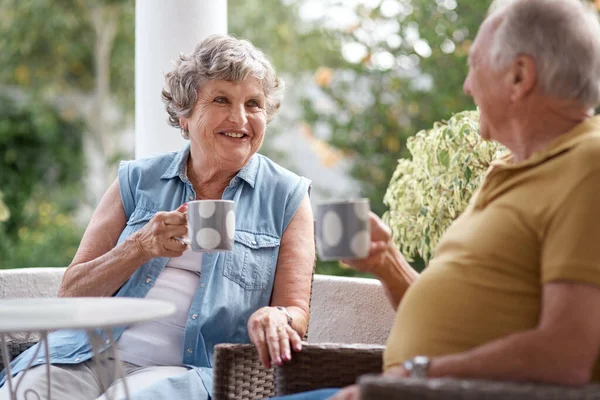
(158, 237)
(273, 337)
(381, 242)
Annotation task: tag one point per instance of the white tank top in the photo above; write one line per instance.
(157, 343)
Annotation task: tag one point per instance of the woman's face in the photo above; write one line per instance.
(228, 122)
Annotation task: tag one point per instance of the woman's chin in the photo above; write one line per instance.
(234, 158)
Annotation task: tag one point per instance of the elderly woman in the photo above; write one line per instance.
(221, 97)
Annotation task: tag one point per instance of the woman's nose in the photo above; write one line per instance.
(238, 115)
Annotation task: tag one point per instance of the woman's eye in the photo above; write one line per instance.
(253, 104)
(220, 100)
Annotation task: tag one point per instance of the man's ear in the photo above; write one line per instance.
(523, 77)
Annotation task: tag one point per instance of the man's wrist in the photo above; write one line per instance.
(390, 263)
(418, 367)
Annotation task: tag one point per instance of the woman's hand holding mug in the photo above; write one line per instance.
(158, 237)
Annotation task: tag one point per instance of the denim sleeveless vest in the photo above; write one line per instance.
(232, 284)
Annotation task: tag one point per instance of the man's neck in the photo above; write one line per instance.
(535, 131)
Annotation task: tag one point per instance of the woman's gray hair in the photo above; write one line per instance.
(218, 57)
(562, 36)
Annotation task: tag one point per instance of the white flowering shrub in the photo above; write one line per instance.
(429, 191)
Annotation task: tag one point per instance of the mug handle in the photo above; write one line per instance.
(184, 240)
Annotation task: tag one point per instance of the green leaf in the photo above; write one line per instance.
(444, 158)
(468, 174)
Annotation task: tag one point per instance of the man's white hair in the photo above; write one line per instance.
(563, 38)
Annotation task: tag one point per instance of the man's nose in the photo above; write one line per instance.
(467, 85)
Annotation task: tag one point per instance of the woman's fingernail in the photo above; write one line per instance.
(278, 362)
(298, 347)
(288, 356)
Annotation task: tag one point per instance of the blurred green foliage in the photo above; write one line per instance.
(40, 151)
(47, 47)
(52, 53)
(42, 164)
(46, 236)
(49, 59)
(407, 78)
(4, 213)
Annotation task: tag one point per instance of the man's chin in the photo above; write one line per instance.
(484, 133)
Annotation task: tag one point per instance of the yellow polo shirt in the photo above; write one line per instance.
(530, 223)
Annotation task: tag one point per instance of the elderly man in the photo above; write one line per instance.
(513, 292)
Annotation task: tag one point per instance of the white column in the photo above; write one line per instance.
(163, 29)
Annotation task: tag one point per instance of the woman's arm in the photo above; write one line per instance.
(99, 268)
(268, 327)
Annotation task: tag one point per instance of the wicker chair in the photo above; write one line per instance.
(14, 349)
(454, 389)
(334, 365)
(239, 375)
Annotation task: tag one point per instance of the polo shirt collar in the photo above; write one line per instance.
(579, 133)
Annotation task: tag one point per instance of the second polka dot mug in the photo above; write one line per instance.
(343, 230)
(211, 225)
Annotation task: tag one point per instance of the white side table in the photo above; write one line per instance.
(88, 313)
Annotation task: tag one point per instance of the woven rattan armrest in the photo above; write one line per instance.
(238, 374)
(14, 349)
(377, 387)
(326, 366)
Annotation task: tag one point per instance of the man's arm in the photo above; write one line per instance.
(396, 275)
(386, 262)
(562, 349)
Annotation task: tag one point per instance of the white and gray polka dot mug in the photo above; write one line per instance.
(343, 230)
(211, 225)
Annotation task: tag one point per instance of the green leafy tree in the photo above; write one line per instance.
(409, 73)
(42, 163)
(294, 46)
(77, 54)
(61, 62)
(406, 63)
(40, 152)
